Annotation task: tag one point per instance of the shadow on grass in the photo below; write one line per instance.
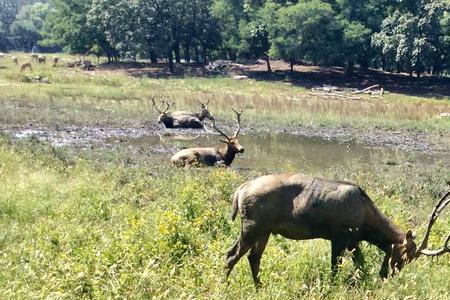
(307, 76)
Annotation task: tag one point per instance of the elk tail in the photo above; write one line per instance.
(235, 205)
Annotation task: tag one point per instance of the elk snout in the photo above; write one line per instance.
(240, 149)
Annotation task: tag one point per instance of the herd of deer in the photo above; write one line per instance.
(40, 59)
(301, 207)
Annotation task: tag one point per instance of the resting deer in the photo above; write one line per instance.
(25, 66)
(301, 207)
(204, 113)
(177, 119)
(213, 156)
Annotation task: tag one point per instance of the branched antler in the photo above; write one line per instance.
(445, 200)
(238, 120)
(154, 105)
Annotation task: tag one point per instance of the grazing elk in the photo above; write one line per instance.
(301, 207)
(204, 113)
(212, 156)
(25, 66)
(15, 60)
(176, 120)
(42, 59)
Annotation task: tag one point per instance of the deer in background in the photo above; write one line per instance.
(177, 119)
(25, 66)
(302, 207)
(212, 156)
(55, 61)
(42, 59)
(15, 60)
(35, 57)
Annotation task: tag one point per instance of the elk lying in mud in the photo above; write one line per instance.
(181, 119)
(212, 156)
(204, 113)
(301, 207)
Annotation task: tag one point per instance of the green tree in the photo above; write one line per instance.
(30, 23)
(306, 31)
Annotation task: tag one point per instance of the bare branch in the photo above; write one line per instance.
(445, 200)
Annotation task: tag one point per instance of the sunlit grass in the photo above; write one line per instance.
(113, 98)
(98, 227)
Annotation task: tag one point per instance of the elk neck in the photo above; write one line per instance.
(226, 153)
(382, 231)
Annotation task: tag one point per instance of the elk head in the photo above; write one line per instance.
(204, 111)
(163, 115)
(408, 251)
(231, 141)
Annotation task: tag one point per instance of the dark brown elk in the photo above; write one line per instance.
(212, 156)
(204, 113)
(302, 207)
(177, 119)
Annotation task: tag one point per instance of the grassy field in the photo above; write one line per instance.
(107, 225)
(116, 98)
(113, 223)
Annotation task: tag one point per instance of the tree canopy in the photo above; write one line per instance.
(404, 36)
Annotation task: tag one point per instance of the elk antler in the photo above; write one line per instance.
(238, 120)
(203, 105)
(168, 105)
(154, 105)
(445, 200)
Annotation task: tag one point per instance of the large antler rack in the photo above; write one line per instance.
(168, 104)
(220, 132)
(422, 250)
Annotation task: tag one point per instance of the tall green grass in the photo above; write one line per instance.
(107, 225)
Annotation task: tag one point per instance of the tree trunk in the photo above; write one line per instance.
(197, 56)
(176, 49)
(269, 69)
(153, 57)
(187, 54)
(349, 67)
(383, 63)
(291, 64)
(170, 60)
(205, 54)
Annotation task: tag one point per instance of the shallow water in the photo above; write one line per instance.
(283, 151)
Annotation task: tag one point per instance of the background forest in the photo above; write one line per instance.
(396, 35)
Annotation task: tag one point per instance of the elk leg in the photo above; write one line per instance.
(357, 256)
(234, 255)
(254, 258)
(384, 271)
(337, 250)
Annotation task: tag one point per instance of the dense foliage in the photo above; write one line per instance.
(410, 36)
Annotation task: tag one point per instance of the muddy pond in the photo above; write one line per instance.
(280, 151)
